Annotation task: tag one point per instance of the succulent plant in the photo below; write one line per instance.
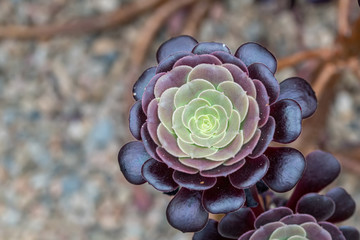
(204, 119)
(307, 215)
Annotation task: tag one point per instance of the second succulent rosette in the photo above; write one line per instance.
(204, 119)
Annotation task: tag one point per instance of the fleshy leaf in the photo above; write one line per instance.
(316, 232)
(250, 124)
(319, 206)
(148, 94)
(285, 232)
(272, 215)
(350, 233)
(250, 173)
(262, 99)
(235, 224)
(297, 219)
(149, 144)
(344, 204)
(195, 60)
(153, 120)
(173, 162)
(242, 79)
(191, 108)
(168, 63)
(169, 142)
(195, 151)
(142, 82)
(173, 45)
(223, 171)
(190, 91)
(200, 163)
(185, 211)
(247, 235)
(334, 231)
(264, 232)
(131, 158)
(210, 47)
(227, 58)
(166, 108)
(267, 133)
(223, 197)
(287, 165)
(136, 119)
(215, 74)
(159, 176)
(193, 181)
(215, 97)
(177, 124)
(231, 132)
(210, 232)
(229, 151)
(251, 53)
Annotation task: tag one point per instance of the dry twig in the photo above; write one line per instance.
(198, 12)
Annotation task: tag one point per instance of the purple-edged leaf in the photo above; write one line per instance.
(242, 79)
(200, 163)
(250, 173)
(168, 63)
(301, 91)
(334, 231)
(142, 82)
(136, 119)
(228, 58)
(344, 204)
(251, 53)
(267, 134)
(194, 60)
(148, 142)
(131, 158)
(319, 206)
(159, 175)
(247, 235)
(316, 232)
(173, 45)
(210, 232)
(297, 219)
(210, 47)
(173, 162)
(193, 181)
(148, 94)
(153, 120)
(223, 197)
(287, 115)
(263, 74)
(272, 215)
(350, 233)
(234, 224)
(185, 211)
(314, 180)
(223, 171)
(262, 99)
(286, 168)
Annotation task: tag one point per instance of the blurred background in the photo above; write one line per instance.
(66, 74)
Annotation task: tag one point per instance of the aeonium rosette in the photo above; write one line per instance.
(204, 119)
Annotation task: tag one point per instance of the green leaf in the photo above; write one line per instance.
(215, 97)
(180, 130)
(190, 91)
(166, 108)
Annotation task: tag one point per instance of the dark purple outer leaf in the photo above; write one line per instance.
(140, 84)
(193, 181)
(210, 47)
(173, 45)
(319, 206)
(210, 232)
(272, 215)
(251, 53)
(131, 158)
(247, 235)
(314, 180)
(299, 90)
(334, 231)
(148, 142)
(263, 74)
(185, 211)
(223, 171)
(159, 175)
(223, 197)
(344, 204)
(286, 168)
(173, 162)
(234, 224)
(168, 63)
(297, 219)
(136, 119)
(267, 134)
(287, 115)
(350, 233)
(228, 58)
(250, 173)
(194, 60)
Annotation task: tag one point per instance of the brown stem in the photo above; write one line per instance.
(259, 209)
(323, 78)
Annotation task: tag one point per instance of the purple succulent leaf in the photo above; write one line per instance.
(185, 211)
(316, 232)
(210, 47)
(272, 215)
(334, 231)
(168, 63)
(319, 206)
(153, 120)
(247, 235)
(193, 181)
(242, 79)
(223, 197)
(252, 172)
(177, 44)
(235, 224)
(265, 231)
(228, 58)
(344, 204)
(262, 99)
(297, 219)
(286, 168)
(200, 163)
(194, 60)
(251, 53)
(148, 94)
(142, 82)
(260, 72)
(131, 157)
(223, 171)
(159, 176)
(173, 162)
(136, 119)
(210, 232)
(298, 89)
(148, 142)
(287, 115)
(267, 134)
(350, 233)
(314, 180)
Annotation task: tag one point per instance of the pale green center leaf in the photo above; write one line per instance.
(285, 232)
(215, 97)
(190, 91)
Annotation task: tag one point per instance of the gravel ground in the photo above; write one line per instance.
(64, 116)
